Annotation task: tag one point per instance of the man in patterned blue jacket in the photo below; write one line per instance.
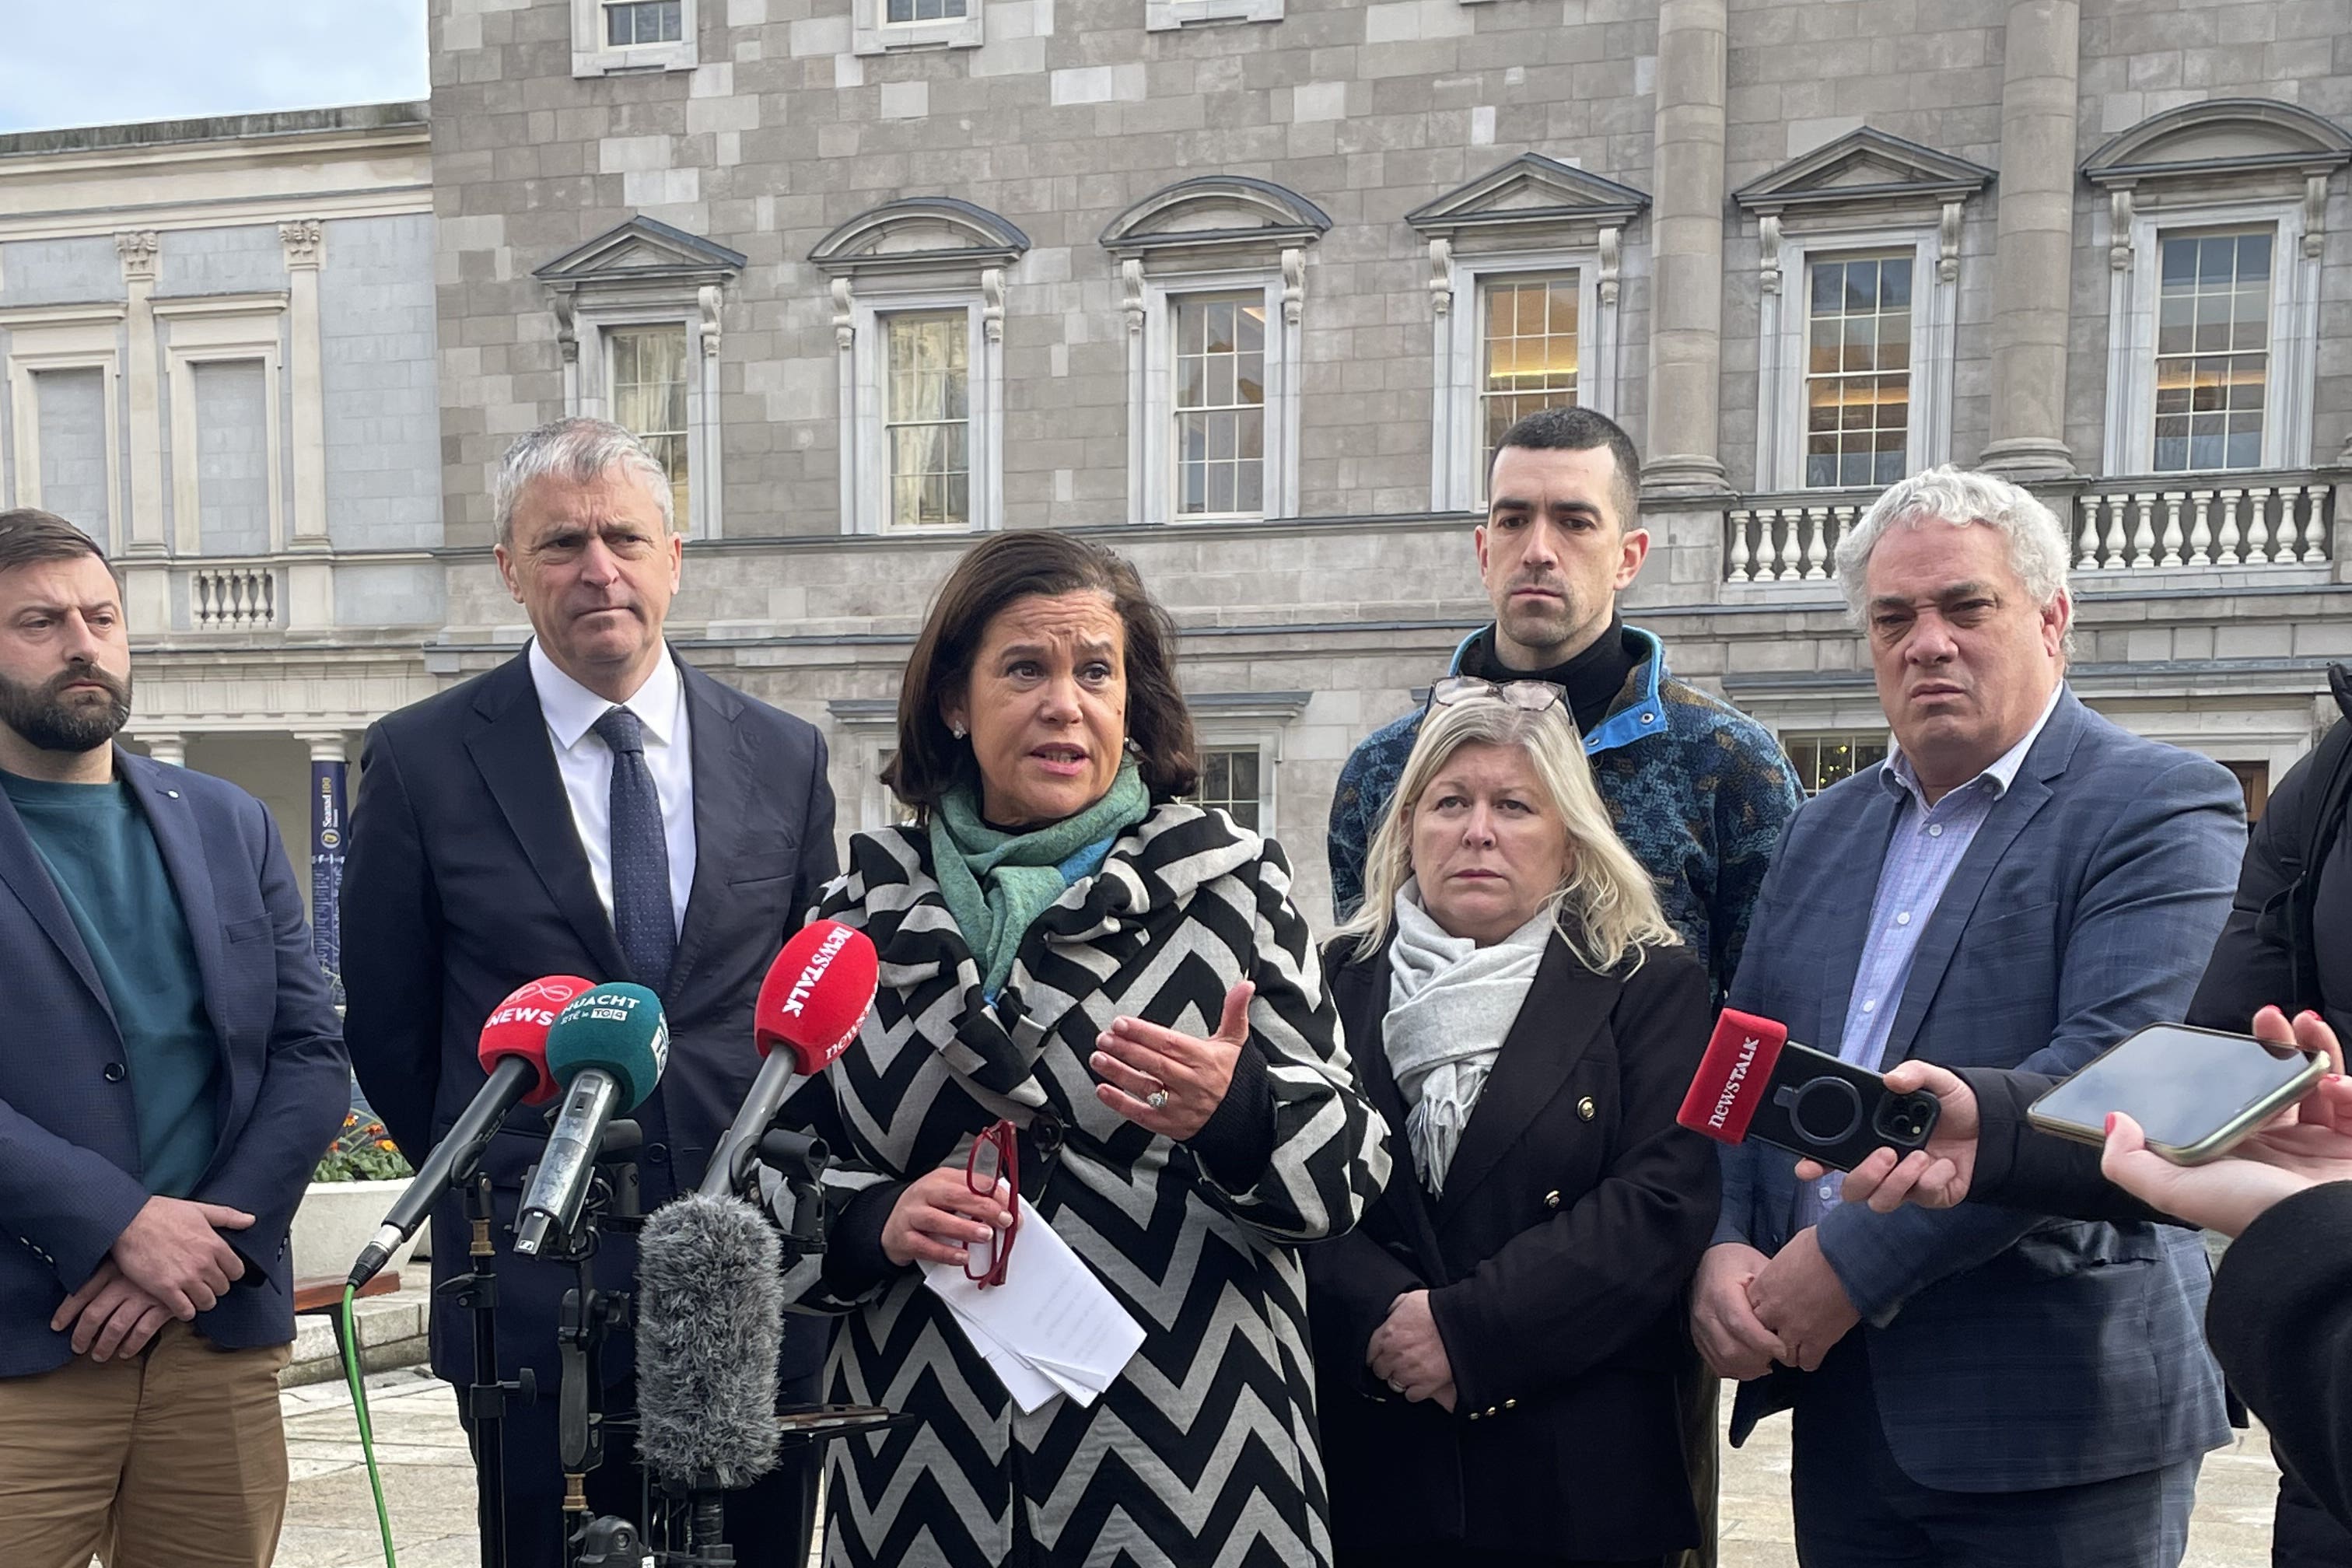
(1697, 789)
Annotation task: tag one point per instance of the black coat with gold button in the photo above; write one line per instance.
(1557, 1261)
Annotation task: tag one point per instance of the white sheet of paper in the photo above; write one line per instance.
(1029, 1387)
(1051, 1316)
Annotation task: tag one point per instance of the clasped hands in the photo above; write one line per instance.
(1407, 1354)
(1748, 1310)
(171, 1261)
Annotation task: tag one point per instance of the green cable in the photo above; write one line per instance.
(367, 1430)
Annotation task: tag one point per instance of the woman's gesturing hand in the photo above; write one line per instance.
(939, 1216)
(1408, 1354)
(1166, 1082)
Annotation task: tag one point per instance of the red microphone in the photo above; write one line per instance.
(1754, 1081)
(518, 1031)
(813, 1002)
(513, 1051)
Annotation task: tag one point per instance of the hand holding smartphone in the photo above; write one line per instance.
(1755, 1083)
(2197, 1093)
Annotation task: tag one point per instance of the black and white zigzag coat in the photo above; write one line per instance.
(1203, 1451)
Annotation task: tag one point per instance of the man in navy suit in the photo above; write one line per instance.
(171, 1071)
(2021, 884)
(593, 806)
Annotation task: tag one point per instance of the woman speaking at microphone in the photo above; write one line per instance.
(1497, 1344)
(1100, 999)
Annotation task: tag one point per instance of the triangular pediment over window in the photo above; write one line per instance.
(642, 250)
(1864, 169)
(1529, 194)
(2227, 140)
(1216, 213)
(920, 234)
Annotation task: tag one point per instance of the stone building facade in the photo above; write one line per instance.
(1243, 287)
(217, 355)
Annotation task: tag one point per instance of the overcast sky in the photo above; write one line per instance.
(96, 62)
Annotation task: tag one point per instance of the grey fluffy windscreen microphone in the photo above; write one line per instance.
(710, 1310)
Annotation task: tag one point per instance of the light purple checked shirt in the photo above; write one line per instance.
(1929, 844)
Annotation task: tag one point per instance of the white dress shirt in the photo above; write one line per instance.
(586, 766)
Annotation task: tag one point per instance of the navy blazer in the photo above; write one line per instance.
(70, 1168)
(466, 879)
(2009, 1351)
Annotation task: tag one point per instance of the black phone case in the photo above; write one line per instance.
(1837, 1113)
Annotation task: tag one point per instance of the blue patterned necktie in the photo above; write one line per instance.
(642, 915)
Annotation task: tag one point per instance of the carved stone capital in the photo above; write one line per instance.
(137, 248)
(300, 238)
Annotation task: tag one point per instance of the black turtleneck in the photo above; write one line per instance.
(1592, 679)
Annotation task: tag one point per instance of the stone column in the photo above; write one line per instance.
(302, 242)
(1686, 248)
(145, 382)
(171, 749)
(326, 746)
(2033, 252)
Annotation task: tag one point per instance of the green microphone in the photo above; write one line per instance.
(608, 1048)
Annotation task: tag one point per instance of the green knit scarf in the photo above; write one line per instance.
(996, 884)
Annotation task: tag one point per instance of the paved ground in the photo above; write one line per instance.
(428, 1485)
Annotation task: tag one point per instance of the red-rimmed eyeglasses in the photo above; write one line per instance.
(996, 1158)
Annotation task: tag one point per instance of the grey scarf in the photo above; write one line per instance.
(1450, 1003)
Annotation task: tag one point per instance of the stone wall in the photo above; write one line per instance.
(381, 416)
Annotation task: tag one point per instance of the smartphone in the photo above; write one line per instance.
(1755, 1083)
(2195, 1092)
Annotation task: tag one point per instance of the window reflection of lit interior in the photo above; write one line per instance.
(648, 365)
(1857, 371)
(1823, 760)
(927, 418)
(1529, 359)
(2213, 351)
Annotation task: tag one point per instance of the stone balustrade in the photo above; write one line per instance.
(2222, 522)
(233, 596)
(2264, 519)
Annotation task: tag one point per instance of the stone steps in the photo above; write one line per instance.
(391, 1328)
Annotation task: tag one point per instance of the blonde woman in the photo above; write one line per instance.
(1497, 1344)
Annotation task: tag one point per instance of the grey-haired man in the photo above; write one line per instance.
(593, 806)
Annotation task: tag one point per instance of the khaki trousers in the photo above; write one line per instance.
(172, 1458)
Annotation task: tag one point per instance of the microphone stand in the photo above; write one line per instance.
(475, 1291)
(588, 1316)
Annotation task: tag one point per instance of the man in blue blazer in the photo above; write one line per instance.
(2021, 884)
(593, 806)
(171, 1070)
